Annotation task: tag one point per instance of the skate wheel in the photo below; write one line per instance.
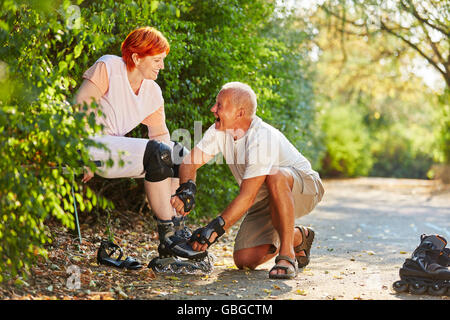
(191, 269)
(160, 269)
(417, 288)
(177, 269)
(436, 290)
(400, 286)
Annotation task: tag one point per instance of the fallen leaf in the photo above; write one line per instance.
(301, 292)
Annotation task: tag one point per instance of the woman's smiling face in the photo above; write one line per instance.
(149, 66)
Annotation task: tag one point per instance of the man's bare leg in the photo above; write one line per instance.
(252, 257)
(282, 209)
(280, 184)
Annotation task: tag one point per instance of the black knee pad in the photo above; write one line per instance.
(158, 163)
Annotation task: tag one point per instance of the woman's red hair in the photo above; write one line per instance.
(146, 41)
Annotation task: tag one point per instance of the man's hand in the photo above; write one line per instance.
(88, 175)
(184, 202)
(204, 237)
(203, 247)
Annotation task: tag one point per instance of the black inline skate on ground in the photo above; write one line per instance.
(426, 272)
(175, 253)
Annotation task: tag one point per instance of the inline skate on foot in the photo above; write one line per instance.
(181, 229)
(176, 265)
(426, 272)
(176, 254)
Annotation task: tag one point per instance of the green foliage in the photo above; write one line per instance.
(46, 47)
(347, 142)
(40, 133)
(238, 44)
(442, 129)
(292, 105)
(397, 155)
(373, 75)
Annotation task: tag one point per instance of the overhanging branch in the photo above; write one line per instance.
(414, 12)
(416, 48)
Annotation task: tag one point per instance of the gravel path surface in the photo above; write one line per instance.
(365, 229)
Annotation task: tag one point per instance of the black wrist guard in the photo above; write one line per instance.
(186, 193)
(202, 235)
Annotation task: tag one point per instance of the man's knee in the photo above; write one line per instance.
(251, 258)
(279, 179)
(245, 262)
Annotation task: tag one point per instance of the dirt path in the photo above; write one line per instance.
(365, 228)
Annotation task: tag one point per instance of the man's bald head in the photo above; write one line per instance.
(240, 95)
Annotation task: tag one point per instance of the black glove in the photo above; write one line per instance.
(186, 193)
(202, 235)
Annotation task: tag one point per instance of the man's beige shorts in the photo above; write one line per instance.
(257, 229)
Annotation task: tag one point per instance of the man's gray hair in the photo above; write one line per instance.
(242, 95)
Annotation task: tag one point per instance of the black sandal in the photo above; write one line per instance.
(290, 273)
(305, 246)
(108, 249)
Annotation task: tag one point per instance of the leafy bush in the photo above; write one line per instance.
(39, 133)
(47, 47)
(347, 143)
(442, 129)
(396, 157)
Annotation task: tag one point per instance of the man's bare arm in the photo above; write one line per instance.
(243, 201)
(188, 171)
(237, 208)
(191, 163)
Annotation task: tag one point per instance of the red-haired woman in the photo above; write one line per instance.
(127, 95)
